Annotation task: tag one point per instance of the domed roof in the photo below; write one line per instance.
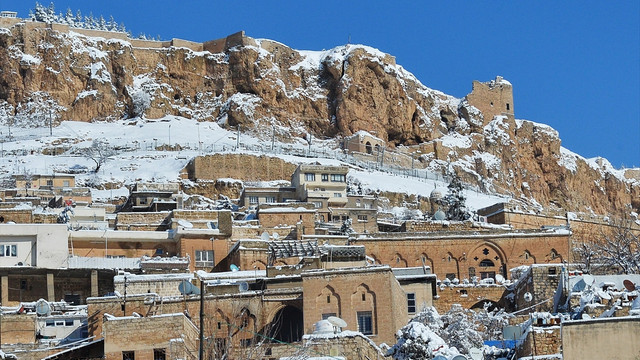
(436, 194)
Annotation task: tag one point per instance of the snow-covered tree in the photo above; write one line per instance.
(455, 201)
(461, 331)
(346, 227)
(416, 341)
(99, 152)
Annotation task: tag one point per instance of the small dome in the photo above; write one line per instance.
(323, 327)
(436, 194)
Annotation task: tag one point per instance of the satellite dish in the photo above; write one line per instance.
(440, 357)
(440, 215)
(323, 327)
(629, 285)
(276, 236)
(635, 305)
(234, 267)
(185, 224)
(579, 286)
(603, 295)
(586, 317)
(243, 286)
(499, 278)
(43, 308)
(264, 236)
(528, 297)
(337, 322)
(588, 280)
(459, 357)
(476, 354)
(187, 288)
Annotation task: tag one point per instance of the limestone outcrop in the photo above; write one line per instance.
(262, 84)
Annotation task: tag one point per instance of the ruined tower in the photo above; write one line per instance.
(492, 98)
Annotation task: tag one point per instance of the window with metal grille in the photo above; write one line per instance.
(365, 322)
(411, 303)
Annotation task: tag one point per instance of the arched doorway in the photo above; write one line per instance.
(368, 147)
(288, 325)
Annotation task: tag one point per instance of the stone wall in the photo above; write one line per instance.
(543, 341)
(18, 216)
(237, 166)
(18, 328)
(141, 221)
(467, 296)
(460, 254)
(345, 293)
(613, 338)
(353, 346)
(141, 335)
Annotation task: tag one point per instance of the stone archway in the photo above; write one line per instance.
(487, 260)
(368, 148)
(287, 325)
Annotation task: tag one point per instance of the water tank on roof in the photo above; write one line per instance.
(439, 215)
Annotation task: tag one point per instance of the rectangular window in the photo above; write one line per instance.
(338, 178)
(9, 250)
(338, 195)
(128, 355)
(411, 303)
(325, 177)
(50, 323)
(253, 200)
(49, 182)
(326, 316)
(270, 199)
(159, 354)
(59, 322)
(310, 177)
(65, 183)
(204, 258)
(68, 322)
(317, 204)
(363, 218)
(365, 322)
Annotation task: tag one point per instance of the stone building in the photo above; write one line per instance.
(474, 252)
(492, 98)
(363, 142)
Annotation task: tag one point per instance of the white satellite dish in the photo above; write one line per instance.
(264, 236)
(439, 215)
(528, 297)
(588, 280)
(243, 286)
(586, 317)
(476, 354)
(603, 295)
(43, 308)
(499, 279)
(234, 267)
(337, 322)
(185, 224)
(276, 236)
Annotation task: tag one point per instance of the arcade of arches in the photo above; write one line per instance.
(464, 257)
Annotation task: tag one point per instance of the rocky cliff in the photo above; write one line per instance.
(258, 84)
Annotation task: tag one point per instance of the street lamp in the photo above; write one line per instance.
(169, 135)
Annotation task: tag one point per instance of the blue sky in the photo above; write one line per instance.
(575, 65)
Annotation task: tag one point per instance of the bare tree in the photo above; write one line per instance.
(99, 152)
(617, 247)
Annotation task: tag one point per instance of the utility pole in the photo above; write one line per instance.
(201, 349)
(169, 136)
(273, 137)
(310, 138)
(50, 125)
(238, 139)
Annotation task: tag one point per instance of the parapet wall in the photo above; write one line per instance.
(212, 46)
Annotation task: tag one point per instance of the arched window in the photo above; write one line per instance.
(486, 263)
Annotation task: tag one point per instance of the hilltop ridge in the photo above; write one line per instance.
(53, 73)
